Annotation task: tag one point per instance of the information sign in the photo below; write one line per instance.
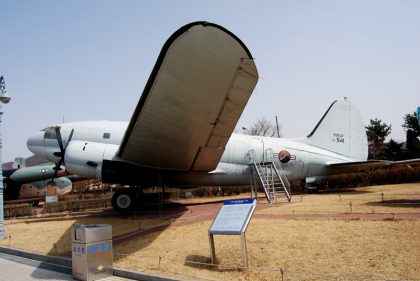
(233, 217)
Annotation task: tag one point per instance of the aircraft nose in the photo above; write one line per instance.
(35, 143)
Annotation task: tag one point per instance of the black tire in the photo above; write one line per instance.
(123, 200)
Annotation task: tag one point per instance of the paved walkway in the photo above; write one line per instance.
(17, 268)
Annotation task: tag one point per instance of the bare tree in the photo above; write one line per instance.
(262, 127)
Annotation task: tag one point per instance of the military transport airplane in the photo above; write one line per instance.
(181, 130)
(29, 184)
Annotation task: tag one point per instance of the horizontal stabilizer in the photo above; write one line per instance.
(351, 167)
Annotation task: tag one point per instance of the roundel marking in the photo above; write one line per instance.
(284, 156)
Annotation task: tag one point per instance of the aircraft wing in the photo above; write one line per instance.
(350, 167)
(192, 101)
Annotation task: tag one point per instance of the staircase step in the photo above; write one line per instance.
(274, 182)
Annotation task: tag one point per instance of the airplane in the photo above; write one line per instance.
(181, 132)
(30, 184)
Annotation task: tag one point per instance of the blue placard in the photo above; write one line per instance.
(239, 201)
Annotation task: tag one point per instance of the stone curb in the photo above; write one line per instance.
(142, 276)
(62, 261)
(66, 262)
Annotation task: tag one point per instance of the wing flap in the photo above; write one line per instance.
(227, 118)
(207, 155)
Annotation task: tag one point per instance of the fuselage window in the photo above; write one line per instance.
(107, 135)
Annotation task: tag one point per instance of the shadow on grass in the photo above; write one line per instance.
(203, 262)
(125, 226)
(397, 203)
(344, 191)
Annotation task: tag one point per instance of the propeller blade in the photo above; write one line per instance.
(58, 154)
(69, 139)
(67, 144)
(57, 168)
(61, 154)
(59, 139)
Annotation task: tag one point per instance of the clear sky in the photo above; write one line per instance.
(89, 60)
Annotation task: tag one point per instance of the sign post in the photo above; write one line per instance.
(233, 219)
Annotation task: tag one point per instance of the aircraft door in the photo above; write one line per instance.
(257, 145)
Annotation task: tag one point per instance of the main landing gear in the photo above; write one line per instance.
(125, 200)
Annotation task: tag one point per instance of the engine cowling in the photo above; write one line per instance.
(85, 158)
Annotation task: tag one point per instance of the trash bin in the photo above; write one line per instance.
(91, 251)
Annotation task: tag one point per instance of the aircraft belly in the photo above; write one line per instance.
(125, 173)
(225, 174)
(316, 170)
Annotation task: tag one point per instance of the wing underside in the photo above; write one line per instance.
(192, 101)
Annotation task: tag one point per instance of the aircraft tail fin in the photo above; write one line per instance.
(341, 130)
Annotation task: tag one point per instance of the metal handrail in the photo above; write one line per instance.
(266, 172)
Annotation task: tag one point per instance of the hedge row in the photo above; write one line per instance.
(11, 211)
(386, 175)
(77, 205)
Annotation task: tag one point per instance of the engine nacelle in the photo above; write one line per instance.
(85, 158)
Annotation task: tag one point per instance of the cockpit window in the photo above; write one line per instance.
(107, 135)
(50, 133)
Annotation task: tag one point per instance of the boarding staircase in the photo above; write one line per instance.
(272, 178)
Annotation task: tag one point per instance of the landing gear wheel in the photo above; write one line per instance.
(123, 201)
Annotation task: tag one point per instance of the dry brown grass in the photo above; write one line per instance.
(364, 200)
(53, 236)
(388, 249)
(308, 249)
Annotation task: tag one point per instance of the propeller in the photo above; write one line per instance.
(62, 151)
